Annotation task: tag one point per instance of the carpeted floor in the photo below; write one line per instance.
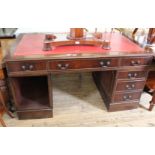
(80, 104)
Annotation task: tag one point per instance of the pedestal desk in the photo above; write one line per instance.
(119, 73)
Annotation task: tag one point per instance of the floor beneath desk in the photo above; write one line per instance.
(78, 103)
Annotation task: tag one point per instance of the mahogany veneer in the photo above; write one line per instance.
(130, 85)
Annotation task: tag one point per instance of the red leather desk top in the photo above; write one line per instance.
(32, 44)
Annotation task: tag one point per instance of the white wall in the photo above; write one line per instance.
(64, 29)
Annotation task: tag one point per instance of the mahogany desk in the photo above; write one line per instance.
(119, 73)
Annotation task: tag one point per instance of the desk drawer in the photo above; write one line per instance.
(123, 97)
(127, 86)
(132, 75)
(80, 64)
(26, 66)
(136, 61)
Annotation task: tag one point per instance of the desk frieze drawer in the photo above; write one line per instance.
(136, 61)
(129, 86)
(81, 64)
(123, 97)
(26, 66)
(132, 75)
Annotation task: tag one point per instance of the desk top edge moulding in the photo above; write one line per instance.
(119, 68)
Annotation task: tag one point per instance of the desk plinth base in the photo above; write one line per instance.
(123, 106)
(35, 114)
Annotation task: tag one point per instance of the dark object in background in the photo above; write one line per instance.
(6, 33)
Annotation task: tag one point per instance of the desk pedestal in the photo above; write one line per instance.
(119, 93)
(32, 96)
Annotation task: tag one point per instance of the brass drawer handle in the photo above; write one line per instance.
(31, 67)
(63, 66)
(23, 67)
(105, 63)
(134, 63)
(27, 67)
(127, 97)
(132, 86)
(132, 75)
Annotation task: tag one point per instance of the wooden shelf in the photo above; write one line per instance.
(37, 104)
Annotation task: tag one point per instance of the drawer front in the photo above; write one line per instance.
(136, 61)
(124, 97)
(132, 75)
(26, 66)
(127, 86)
(80, 64)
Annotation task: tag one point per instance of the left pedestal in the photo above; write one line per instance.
(32, 96)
